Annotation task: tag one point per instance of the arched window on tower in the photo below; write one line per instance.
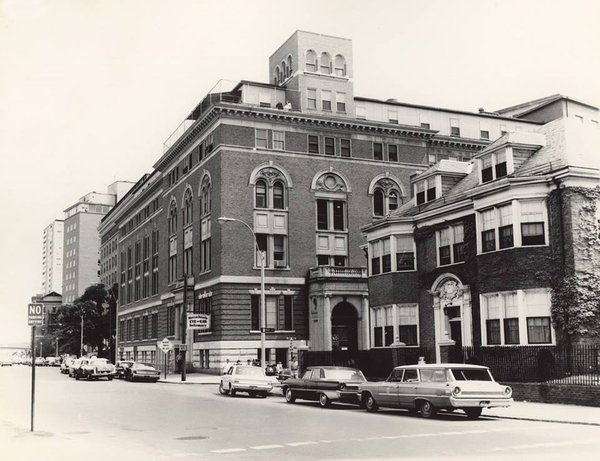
(205, 224)
(311, 61)
(340, 66)
(325, 67)
(283, 71)
(289, 65)
(276, 79)
(387, 195)
(378, 203)
(278, 195)
(173, 218)
(188, 208)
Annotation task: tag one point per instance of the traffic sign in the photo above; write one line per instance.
(198, 321)
(35, 314)
(166, 345)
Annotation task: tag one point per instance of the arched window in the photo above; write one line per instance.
(393, 201)
(276, 76)
(188, 208)
(325, 63)
(205, 204)
(278, 196)
(261, 194)
(283, 71)
(378, 203)
(340, 65)
(289, 65)
(173, 218)
(311, 61)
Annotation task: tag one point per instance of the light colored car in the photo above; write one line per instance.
(95, 368)
(66, 363)
(245, 378)
(40, 362)
(432, 387)
(73, 366)
(52, 362)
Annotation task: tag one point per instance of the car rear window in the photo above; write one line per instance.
(250, 371)
(471, 374)
(349, 375)
(433, 376)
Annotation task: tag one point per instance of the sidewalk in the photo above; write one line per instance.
(527, 411)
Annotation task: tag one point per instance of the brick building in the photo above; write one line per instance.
(472, 257)
(305, 163)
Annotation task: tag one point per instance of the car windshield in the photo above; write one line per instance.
(471, 374)
(249, 371)
(347, 375)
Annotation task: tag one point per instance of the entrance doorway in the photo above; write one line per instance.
(344, 327)
(456, 331)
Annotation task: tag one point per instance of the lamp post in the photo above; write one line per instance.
(222, 220)
(81, 338)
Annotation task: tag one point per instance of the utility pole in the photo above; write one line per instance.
(81, 339)
(56, 348)
(183, 347)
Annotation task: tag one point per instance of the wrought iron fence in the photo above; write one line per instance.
(577, 364)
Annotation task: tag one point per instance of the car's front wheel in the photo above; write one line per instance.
(222, 390)
(289, 396)
(473, 413)
(426, 409)
(370, 403)
(324, 401)
(232, 391)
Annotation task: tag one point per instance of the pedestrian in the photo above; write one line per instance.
(279, 367)
(225, 368)
(294, 367)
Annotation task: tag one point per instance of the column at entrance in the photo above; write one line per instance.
(365, 329)
(327, 322)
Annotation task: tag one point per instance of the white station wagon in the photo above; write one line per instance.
(432, 387)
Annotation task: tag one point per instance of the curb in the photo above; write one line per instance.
(184, 382)
(542, 420)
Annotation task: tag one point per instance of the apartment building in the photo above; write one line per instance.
(52, 257)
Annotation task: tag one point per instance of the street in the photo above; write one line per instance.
(130, 421)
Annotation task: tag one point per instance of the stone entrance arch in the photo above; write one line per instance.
(344, 327)
(452, 312)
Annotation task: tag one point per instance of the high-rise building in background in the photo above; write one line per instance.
(52, 257)
(81, 239)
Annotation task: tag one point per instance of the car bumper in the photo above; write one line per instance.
(145, 377)
(252, 387)
(100, 374)
(482, 402)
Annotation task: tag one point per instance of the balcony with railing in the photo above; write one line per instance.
(338, 272)
(244, 93)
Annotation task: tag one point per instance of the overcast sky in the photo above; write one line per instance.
(89, 90)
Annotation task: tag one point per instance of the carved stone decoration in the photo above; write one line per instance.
(270, 174)
(330, 182)
(449, 291)
(387, 185)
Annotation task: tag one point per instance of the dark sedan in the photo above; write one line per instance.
(120, 368)
(142, 372)
(325, 385)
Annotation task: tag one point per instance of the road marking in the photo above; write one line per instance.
(266, 447)
(546, 445)
(229, 450)
(299, 444)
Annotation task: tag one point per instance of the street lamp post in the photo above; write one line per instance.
(222, 220)
(81, 338)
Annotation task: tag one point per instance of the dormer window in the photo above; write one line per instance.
(426, 190)
(493, 166)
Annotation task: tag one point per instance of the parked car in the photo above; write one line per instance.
(52, 362)
(40, 362)
(246, 378)
(141, 372)
(120, 368)
(95, 368)
(66, 363)
(324, 384)
(432, 387)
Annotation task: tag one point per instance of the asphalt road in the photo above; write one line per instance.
(119, 420)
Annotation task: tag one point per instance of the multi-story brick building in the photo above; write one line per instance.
(52, 257)
(473, 256)
(305, 164)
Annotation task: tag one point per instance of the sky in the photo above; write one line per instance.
(90, 90)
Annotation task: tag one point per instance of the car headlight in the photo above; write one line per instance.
(507, 391)
(342, 387)
(456, 391)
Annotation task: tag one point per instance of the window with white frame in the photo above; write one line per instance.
(326, 100)
(394, 253)
(454, 127)
(498, 229)
(405, 253)
(261, 138)
(278, 140)
(451, 246)
(493, 166)
(340, 66)
(516, 317)
(205, 224)
(340, 102)
(386, 197)
(325, 65)
(311, 98)
(279, 312)
(425, 190)
(395, 324)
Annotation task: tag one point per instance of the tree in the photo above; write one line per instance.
(92, 306)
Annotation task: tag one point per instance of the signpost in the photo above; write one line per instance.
(165, 345)
(35, 317)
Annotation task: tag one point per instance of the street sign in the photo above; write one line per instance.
(166, 345)
(198, 321)
(267, 330)
(35, 314)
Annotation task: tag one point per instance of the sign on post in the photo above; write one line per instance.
(166, 345)
(35, 314)
(198, 321)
